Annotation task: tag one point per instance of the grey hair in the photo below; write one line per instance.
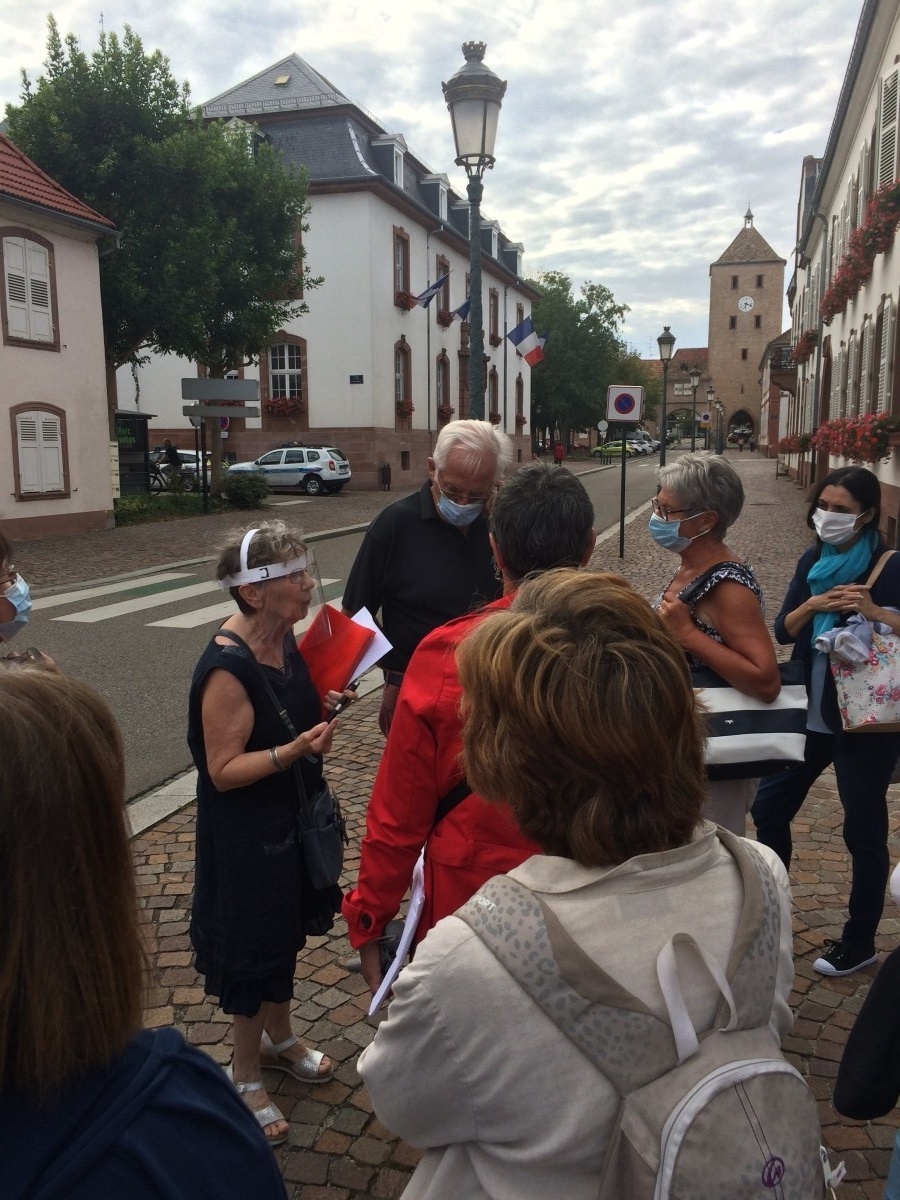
(541, 518)
(705, 482)
(274, 542)
(480, 439)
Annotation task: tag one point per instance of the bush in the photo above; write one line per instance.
(245, 489)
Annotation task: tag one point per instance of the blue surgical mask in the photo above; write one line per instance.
(19, 596)
(459, 515)
(667, 533)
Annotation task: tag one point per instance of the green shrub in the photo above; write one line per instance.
(245, 489)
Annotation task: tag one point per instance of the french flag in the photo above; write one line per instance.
(431, 291)
(462, 313)
(527, 342)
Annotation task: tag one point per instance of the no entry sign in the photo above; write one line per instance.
(624, 402)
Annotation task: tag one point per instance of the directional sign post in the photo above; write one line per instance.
(232, 395)
(624, 404)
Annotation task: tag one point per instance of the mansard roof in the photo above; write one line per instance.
(290, 85)
(24, 181)
(749, 247)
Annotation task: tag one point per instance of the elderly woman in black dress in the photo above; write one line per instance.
(252, 904)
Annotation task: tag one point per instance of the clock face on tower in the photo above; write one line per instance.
(745, 303)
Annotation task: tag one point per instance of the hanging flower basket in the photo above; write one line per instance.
(494, 418)
(405, 301)
(795, 443)
(873, 237)
(284, 406)
(445, 412)
(806, 343)
(521, 420)
(865, 439)
(405, 409)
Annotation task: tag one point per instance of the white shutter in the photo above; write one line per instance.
(886, 357)
(16, 286)
(834, 401)
(887, 133)
(852, 405)
(51, 453)
(41, 326)
(862, 196)
(865, 375)
(29, 452)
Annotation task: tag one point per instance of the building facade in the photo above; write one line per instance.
(366, 368)
(58, 468)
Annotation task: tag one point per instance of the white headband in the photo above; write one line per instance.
(260, 574)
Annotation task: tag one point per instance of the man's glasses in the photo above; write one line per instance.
(460, 497)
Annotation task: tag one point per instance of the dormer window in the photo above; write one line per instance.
(442, 203)
(389, 152)
(398, 167)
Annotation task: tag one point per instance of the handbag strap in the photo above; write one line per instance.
(879, 567)
(447, 803)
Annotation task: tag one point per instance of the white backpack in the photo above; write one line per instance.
(714, 1115)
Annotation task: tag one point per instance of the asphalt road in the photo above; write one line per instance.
(137, 641)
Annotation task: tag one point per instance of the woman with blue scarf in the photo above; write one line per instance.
(829, 585)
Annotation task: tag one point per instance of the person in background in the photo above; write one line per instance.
(426, 559)
(15, 595)
(542, 517)
(700, 497)
(579, 714)
(253, 905)
(171, 455)
(91, 1105)
(559, 454)
(829, 585)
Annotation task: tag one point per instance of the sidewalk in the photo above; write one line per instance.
(337, 1149)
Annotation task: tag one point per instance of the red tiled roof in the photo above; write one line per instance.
(21, 179)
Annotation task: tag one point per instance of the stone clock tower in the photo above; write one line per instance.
(746, 303)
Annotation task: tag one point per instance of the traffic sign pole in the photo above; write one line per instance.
(622, 504)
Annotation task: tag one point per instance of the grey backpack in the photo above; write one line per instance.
(711, 1115)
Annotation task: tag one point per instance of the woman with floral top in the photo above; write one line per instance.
(720, 624)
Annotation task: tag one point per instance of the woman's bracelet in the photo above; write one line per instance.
(276, 761)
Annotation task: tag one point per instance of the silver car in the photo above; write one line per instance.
(311, 469)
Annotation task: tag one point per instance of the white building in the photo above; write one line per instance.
(56, 466)
(848, 354)
(363, 369)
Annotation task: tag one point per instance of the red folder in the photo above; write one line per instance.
(332, 657)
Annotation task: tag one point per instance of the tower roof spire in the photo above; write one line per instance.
(748, 218)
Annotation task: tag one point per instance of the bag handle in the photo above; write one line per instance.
(879, 567)
(686, 1040)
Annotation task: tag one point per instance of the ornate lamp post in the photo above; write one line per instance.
(474, 96)
(666, 343)
(710, 399)
(695, 383)
(720, 427)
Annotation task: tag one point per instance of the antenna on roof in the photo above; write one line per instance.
(102, 29)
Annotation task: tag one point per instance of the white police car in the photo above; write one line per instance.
(312, 469)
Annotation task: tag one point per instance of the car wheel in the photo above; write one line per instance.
(313, 485)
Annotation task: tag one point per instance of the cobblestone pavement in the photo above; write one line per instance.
(337, 1149)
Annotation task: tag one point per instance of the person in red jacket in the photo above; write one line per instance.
(542, 518)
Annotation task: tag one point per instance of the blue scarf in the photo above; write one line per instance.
(834, 567)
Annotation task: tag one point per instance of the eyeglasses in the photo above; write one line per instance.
(462, 497)
(666, 513)
(298, 576)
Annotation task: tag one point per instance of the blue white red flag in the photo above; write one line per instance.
(527, 342)
(431, 291)
(461, 313)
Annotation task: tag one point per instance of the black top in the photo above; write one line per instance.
(420, 572)
(868, 1081)
(885, 593)
(247, 919)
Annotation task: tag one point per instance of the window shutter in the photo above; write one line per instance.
(834, 393)
(866, 371)
(39, 436)
(16, 287)
(51, 453)
(41, 326)
(852, 406)
(887, 140)
(862, 183)
(29, 452)
(885, 362)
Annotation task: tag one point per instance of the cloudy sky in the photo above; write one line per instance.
(633, 135)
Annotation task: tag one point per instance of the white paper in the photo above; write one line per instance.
(416, 901)
(377, 648)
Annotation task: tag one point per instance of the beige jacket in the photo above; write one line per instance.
(468, 1068)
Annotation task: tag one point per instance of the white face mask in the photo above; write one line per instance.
(19, 596)
(835, 528)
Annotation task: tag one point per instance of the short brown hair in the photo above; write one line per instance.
(579, 713)
(72, 964)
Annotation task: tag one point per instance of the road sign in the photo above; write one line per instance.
(624, 402)
(220, 389)
(220, 410)
(602, 426)
(705, 420)
(224, 422)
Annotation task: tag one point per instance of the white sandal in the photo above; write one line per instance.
(305, 1068)
(269, 1114)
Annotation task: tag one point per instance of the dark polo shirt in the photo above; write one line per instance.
(420, 572)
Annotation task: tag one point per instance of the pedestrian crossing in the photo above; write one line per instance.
(151, 592)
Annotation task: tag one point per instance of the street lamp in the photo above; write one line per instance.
(720, 425)
(695, 383)
(666, 343)
(710, 398)
(473, 96)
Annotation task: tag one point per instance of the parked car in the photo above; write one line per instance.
(312, 469)
(651, 442)
(613, 449)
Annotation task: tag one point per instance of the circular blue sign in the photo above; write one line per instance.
(624, 403)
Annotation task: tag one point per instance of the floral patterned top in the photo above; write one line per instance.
(736, 572)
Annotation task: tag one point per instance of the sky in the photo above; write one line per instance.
(633, 134)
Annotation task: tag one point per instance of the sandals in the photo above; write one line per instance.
(305, 1069)
(267, 1115)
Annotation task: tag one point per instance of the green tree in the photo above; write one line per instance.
(209, 264)
(583, 355)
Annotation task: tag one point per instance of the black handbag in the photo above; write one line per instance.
(322, 828)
